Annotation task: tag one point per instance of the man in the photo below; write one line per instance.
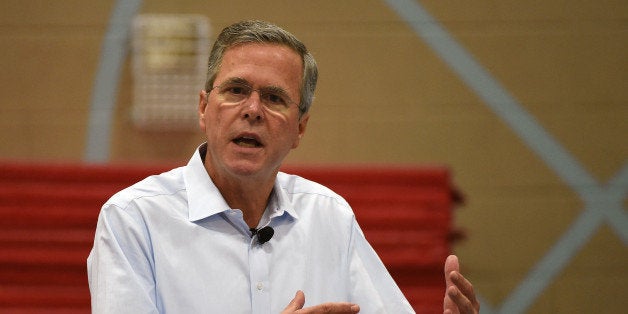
(228, 232)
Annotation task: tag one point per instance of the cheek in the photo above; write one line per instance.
(208, 124)
(212, 119)
(289, 133)
(220, 125)
(213, 127)
(208, 118)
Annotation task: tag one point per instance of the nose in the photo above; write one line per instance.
(252, 107)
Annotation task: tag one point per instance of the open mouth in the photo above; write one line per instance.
(248, 142)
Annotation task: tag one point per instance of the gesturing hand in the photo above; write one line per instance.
(296, 306)
(459, 294)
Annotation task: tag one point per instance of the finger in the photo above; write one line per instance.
(462, 294)
(297, 302)
(465, 287)
(449, 306)
(331, 308)
(451, 265)
(463, 304)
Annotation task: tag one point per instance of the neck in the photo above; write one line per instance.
(248, 194)
(251, 199)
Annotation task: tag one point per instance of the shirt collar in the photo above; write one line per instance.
(280, 203)
(205, 200)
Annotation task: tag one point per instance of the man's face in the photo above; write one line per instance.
(249, 138)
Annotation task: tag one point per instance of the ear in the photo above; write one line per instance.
(202, 106)
(302, 126)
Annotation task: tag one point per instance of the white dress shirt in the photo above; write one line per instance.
(171, 244)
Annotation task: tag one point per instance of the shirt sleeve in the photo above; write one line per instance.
(372, 286)
(119, 267)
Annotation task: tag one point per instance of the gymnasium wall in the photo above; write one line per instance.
(525, 101)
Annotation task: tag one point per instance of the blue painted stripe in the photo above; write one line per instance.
(599, 202)
(112, 56)
(493, 94)
(544, 272)
(615, 193)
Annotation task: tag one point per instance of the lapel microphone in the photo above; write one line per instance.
(263, 234)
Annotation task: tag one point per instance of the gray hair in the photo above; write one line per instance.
(253, 31)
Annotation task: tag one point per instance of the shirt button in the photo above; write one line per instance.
(260, 286)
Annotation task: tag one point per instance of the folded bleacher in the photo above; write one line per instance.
(48, 216)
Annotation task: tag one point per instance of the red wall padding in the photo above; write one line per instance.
(48, 215)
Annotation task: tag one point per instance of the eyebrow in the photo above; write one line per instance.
(236, 80)
(277, 90)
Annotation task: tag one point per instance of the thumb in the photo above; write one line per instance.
(297, 302)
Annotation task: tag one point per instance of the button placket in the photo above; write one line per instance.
(259, 278)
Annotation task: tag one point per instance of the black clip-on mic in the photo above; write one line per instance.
(264, 234)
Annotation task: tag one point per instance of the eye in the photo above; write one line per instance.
(236, 89)
(275, 99)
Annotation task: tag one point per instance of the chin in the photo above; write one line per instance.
(247, 169)
(253, 166)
